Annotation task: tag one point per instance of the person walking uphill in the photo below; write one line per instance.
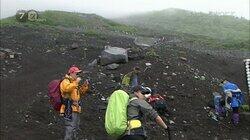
(136, 109)
(71, 107)
(131, 79)
(233, 95)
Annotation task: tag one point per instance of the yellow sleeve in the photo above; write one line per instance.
(67, 86)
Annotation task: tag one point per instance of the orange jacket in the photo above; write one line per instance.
(70, 89)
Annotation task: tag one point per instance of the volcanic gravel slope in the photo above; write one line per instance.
(185, 77)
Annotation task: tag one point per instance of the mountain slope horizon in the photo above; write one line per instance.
(223, 27)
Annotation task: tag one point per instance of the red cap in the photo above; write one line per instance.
(74, 69)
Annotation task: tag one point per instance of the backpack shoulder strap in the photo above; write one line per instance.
(133, 98)
(66, 78)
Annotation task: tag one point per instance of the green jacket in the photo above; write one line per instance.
(136, 109)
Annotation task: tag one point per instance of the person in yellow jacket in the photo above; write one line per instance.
(71, 107)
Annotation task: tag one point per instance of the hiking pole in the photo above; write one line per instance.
(212, 116)
(169, 134)
(168, 129)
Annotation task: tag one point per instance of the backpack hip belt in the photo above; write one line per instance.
(132, 124)
(76, 103)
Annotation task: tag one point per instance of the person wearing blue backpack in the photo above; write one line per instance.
(234, 99)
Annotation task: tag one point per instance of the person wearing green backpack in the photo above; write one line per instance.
(137, 108)
(124, 114)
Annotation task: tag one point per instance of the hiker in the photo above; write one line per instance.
(71, 107)
(219, 105)
(232, 99)
(136, 109)
(157, 102)
(131, 79)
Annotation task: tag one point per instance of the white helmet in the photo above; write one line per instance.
(148, 90)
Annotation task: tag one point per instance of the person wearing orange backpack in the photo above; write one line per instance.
(71, 105)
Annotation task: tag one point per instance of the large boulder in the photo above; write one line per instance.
(113, 55)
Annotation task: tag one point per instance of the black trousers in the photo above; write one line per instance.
(235, 109)
(133, 137)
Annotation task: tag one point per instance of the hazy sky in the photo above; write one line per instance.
(116, 8)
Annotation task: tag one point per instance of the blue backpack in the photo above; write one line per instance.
(237, 99)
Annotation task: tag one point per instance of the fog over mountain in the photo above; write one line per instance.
(118, 8)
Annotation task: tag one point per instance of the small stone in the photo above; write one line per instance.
(112, 66)
(48, 51)
(202, 78)
(103, 98)
(74, 46)
(171, 122)
(174, 74)
(173, 87)
(102, 74)
(183, 58)
(148, 64)
(2, 55)
(50, 124)
(171, 97)
(99, 83)
(12, 71)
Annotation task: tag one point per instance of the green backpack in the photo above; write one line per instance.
(126, 79)
(116, 113)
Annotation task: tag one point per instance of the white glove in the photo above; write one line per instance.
(78, 79)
